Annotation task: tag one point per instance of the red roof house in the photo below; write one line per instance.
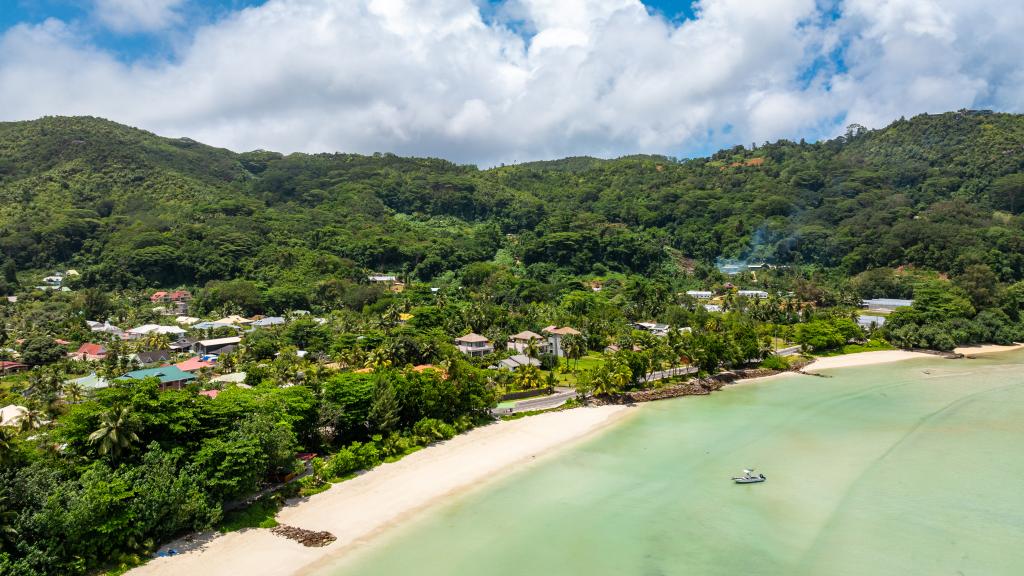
(180, 296)
(7, 367)
(209, 393)
(90, 352)
(158, 297)
(194, 364)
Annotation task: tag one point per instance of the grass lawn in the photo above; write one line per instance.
(589, 362)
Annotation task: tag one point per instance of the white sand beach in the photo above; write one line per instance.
(358, 508)
(987, 349)
(863, 359)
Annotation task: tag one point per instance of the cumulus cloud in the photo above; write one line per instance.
(129, 16)
(537, 79)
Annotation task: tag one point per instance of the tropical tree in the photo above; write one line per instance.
(8, 446)
(115, 433)
(73, 392)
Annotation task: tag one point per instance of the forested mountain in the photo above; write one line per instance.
(131, 209)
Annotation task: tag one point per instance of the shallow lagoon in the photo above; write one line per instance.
(906, 468)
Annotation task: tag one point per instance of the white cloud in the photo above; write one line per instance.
(598, 77)
(129, 16)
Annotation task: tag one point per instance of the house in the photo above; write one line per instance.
(169, 376)
(652, 327)
(91, 382)
(54, 281)
(158, 297)
(513, 362)
(700, 294)
(212, 326)
(556, 335)
(712, 307)
(382, 278)
(758, 294)
(90, 352)
(194, 364)
(216, 345)
(521, 342)
(474, 345)
(233, 320)
(211, 394)
(268, 321)
(107, 328)
(147, 329)
(7, 367)
(886, 304)
(187, 320)
(180, 300)
(150, 357)
(183, 345)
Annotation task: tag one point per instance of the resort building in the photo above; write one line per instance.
(521, 342)
(758, 294)
(700, 294)
(473, 344)
(555, 337)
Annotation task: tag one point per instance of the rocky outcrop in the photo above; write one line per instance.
(308, 538)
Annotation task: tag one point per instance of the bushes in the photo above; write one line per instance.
(775, 363)
(432, 430)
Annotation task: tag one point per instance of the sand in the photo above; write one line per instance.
(863, 359)
(987, 349)
(359, 508)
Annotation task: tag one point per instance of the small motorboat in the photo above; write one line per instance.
(749, 477)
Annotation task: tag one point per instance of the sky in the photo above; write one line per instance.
(503, 81)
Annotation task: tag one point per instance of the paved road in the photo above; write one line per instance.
(561, 396)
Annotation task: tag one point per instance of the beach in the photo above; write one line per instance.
(987, 349)
(357, 509)
(863, 359)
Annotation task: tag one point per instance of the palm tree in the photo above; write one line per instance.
(114, 434)
(73, 392)
(532, 349)
(31, 419)
(7, 445)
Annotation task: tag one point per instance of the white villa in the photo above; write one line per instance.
(473, 344)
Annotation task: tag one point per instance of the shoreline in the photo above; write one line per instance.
(359, 509)
(869, 358)
(987, 349)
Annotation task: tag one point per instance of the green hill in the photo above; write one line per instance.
(130, 208)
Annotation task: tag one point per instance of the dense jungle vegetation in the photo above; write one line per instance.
(130, 209)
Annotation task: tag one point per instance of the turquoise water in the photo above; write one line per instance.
(908, 468)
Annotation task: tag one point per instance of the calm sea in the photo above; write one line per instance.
(913, 468)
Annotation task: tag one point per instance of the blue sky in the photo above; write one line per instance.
(489, 81)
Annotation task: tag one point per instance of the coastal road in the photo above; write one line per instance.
(561, 396)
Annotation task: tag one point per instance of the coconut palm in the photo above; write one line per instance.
(31, 419)
(114, 434)
(73, 392)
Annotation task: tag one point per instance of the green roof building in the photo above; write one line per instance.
(170, 376)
